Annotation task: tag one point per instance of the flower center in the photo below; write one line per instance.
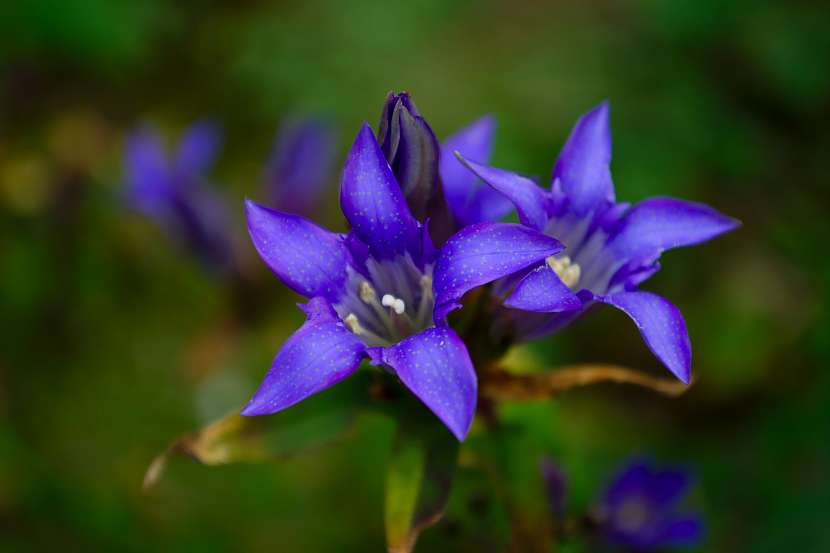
(392, 300)
(567, 270)
(632, 515)
(587, 263)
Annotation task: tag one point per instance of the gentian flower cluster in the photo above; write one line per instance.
(374, 291)
(300, 164)
(639, 510)
(610, 247)
(173, 191)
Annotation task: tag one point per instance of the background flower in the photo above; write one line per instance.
(301, 164)
(173, 191)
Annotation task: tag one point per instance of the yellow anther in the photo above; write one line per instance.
(367, 293)
(567, 271)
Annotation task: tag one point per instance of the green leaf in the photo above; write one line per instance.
(418, 481)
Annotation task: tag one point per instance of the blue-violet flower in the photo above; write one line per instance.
(610, 247)
(373, 291)
(640, 509)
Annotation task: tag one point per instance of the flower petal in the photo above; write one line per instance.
(681, 531)
(482, 253)
(631, 480)
(435, 366)
(469, 199)
(198, 148)
(658, 224)
(666, 487)
(662, 327)
(582, 171)
(147, 172)
(308, 259)
(474, 141)
(528, 198)
(321, 353)
(485, 205)
(373, 202)
(542, 291)
(301, 163)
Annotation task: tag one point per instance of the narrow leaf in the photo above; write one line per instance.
(314, 423)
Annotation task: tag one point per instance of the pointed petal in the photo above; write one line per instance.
(528, 198)
(582, 170)
(474, 141)
(373, 202)
(301, 163)
(308, 259)
(469, 199)
(662, 327)
(321, 353)
(658, 224)
(681, 531)
(485, 205)
(668, 486)
(198, 148)
(482, 253)
(147, 172)
(435, 366)
(631, 479)
(542, 291)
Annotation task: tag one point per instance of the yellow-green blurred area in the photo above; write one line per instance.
(113, 342)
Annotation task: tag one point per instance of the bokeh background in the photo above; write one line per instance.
(113, 342)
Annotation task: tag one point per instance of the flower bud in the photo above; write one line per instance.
(412, 151)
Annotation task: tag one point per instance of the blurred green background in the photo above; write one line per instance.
(112, 342)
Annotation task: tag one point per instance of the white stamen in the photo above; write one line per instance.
(567, 271)
(396, 304)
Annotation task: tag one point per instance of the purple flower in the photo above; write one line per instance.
(172, 191)
(610, 247)
(301, 164)
(640, 509)
(373, 291)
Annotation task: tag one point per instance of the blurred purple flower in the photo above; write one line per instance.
(640, 509)
(172, 191)
(610, 247)
(373, 291)
(301, 164)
